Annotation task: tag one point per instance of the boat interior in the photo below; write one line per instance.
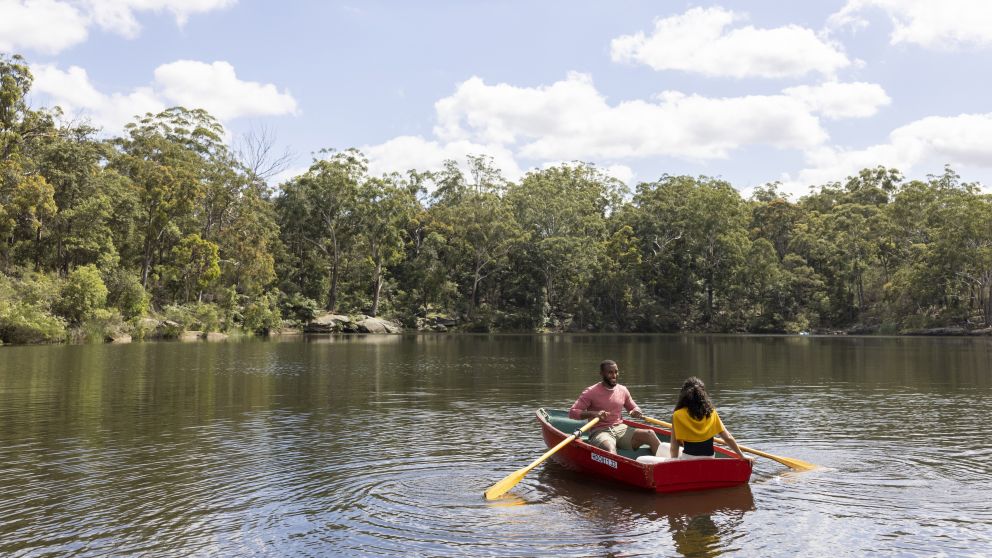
(559, 419)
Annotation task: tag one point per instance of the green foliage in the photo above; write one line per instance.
(103, 325)
(195, 265)
(124, 292)
(82, 295)
(174, 219)
(195, 316)
(299, 307)
(261, 315)
(26, 302)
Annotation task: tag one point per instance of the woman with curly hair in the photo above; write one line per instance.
(695, 423)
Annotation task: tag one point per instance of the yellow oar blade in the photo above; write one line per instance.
(794, 464)
(791, 462)
(504, 486)
(511, 480)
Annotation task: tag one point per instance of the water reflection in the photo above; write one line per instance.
(696, 522)
(382, 445)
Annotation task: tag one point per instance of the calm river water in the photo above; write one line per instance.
(383, 445)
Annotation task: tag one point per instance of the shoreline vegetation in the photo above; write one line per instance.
(166, 230)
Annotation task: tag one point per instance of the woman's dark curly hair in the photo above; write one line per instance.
(695, 398)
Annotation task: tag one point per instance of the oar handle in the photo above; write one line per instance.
(561, 444)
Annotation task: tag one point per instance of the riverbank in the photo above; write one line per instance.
(150, 328)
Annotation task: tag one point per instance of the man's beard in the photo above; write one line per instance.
(609, 382)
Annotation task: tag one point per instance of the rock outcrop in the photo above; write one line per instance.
(339, 323)
(378, 325)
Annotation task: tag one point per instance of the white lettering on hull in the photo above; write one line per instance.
(604, 460)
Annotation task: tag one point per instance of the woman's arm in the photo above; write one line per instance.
(728, 439)
(673, 446)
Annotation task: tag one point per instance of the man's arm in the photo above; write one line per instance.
(580, 409)
(632, 408)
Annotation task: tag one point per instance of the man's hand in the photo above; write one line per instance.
(637, 414)
(601, 415)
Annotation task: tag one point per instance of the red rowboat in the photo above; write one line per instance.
(725, 469)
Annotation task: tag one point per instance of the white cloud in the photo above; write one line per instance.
(46, 26)
(623, 173)
(841, 100)
(51, 26)
(403, 153)
(932, 141)
(570, 119)
(72, 90)
(946, 24)
(699, 41)
(118, 16)
(214, 87)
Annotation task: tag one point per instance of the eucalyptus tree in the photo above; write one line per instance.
(846, 226)
(962, 247)
(695, 232)
(784, 292)
(194, 266)
(316, 213)
(482, 230)
(383, 212)
(27, 199)
(168, 158)
(563, 210)
(81, 230)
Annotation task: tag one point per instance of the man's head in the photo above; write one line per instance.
(609, 370)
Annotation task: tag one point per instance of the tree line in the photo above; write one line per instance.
(168, 221)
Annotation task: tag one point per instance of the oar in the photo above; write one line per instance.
(796, 464)
(511, 480)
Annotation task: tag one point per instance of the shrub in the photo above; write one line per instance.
(103, 325)
(83, 293)
(262, 314)
(21, 322)
(124, 292)
(300, 308)
(25, 309)
(196, 316)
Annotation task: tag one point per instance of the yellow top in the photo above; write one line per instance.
(689, 429)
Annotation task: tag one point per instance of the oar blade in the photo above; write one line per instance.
(508, 482)
(511, 480)
(797, 464)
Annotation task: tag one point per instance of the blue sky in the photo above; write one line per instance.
(800, 92)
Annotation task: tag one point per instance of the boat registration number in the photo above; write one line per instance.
(604, 460)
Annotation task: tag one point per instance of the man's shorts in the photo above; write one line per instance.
(622, 433)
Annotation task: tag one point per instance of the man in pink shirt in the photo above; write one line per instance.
(606, 400)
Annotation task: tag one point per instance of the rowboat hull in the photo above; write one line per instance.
(668, 476)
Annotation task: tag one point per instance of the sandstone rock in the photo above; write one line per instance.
(327, 323)
(377, 325)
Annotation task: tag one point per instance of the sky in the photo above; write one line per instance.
(804, 93)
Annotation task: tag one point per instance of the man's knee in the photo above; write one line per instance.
(608, 444)
(642, 436)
